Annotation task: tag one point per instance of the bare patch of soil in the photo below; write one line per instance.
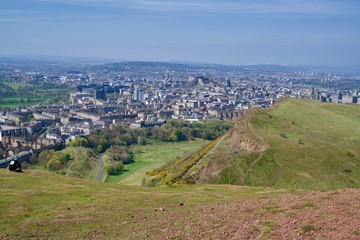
(313, 215)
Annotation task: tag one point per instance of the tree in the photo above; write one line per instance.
(119, 153)
(55, 164)
(67, 157)
(128, 139)
(141, 140)
(114, 168)
(79, 142)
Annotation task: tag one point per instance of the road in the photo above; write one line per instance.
(100, 175)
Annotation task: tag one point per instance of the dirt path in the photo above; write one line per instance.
(264, 145)
(198, 164)
(242, 180)
(196, 169)
(100, 175)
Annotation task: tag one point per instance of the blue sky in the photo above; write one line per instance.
(308, 32)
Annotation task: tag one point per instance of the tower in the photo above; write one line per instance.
(139, 94)
(100, 95)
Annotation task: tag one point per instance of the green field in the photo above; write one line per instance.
(151, 156)
(32, 94)
(312, 145)
(16, 86)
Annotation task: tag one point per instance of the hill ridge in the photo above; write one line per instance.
(301, 144)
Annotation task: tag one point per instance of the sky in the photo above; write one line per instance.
(241, 32)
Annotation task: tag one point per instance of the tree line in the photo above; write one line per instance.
(172, 131)
(114, 144)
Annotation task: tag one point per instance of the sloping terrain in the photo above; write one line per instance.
(298, 144)
(43, 205)
(83, 163)
(151, 156)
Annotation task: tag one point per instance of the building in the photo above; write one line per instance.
(100, 95)
(8, 131)
(138, 95)
(228, 83)
(16, 117)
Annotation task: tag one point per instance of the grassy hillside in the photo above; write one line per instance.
(149, 157)
(298, 144)
(43, 205)
(83, 163)
(38, 203)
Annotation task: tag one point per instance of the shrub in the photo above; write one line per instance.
(283, 135)
(67, 157)
(176, 171)
(55, 164)
(120, 153)
(52, 160)
(349, 154)
(141, 140)
(308, 228)
(114, 168)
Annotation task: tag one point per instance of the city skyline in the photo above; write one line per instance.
(223, 32)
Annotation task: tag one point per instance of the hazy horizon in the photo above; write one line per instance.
(322, 33)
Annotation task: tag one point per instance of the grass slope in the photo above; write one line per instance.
(312, 145)
(44, 205)
(39, 204)
(83, 163)
(151, 156)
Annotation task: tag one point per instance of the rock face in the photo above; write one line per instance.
(238, 142)
(244, 138)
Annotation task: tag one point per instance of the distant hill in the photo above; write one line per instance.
(110, 64)
(299, 144)
(140, 65)
(163, 66)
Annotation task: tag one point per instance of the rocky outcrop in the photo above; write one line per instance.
(244, 138)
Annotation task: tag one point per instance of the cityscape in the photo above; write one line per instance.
(147, 94)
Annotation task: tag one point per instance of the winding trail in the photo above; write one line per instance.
(249, 169)
(100, 175)
(263, 143)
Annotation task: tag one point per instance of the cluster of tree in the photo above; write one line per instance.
(114, 168)
(115, 157)
(172, 131)
(6, 91)
(114, 143)
(53, 160)
(79, 142)
(118, 154)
